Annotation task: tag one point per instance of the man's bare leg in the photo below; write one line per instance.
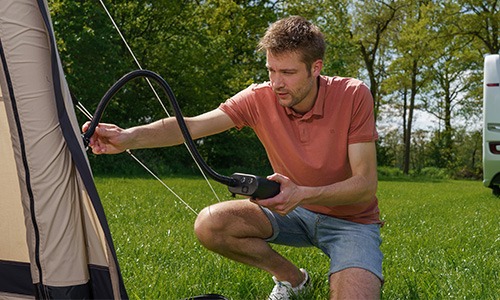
(354, 283)
(237, 230)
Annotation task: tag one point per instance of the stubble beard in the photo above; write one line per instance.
(296, 96)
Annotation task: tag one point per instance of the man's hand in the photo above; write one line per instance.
(107, 138)
(286, 200)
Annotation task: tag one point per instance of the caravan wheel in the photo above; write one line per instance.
(495, 190)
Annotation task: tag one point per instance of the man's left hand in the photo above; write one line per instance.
(287, 199)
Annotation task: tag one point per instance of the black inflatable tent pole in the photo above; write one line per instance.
(238, 183)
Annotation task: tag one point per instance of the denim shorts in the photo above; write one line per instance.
(347, 244)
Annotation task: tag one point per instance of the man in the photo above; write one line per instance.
(319, 134)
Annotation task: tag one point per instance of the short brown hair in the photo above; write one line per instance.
(294, 34)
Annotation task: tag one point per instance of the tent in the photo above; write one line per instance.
(54, 238)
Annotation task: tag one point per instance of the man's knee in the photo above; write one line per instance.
(205, 228)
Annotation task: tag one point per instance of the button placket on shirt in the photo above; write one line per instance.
(303, 131)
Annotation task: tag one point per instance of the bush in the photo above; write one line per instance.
(468, 173)
(389, 172)
(433, 173)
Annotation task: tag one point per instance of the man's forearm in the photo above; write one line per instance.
(166, 132)
(161, 133)
(356, 189)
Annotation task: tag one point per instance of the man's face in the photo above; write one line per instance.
(295, 86)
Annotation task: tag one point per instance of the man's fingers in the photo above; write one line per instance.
(278, 178)
(98, 147)
(85, 126)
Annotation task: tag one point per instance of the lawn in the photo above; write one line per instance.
(441, 240)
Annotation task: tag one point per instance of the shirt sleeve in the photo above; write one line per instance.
(241, 107)
(362, 128)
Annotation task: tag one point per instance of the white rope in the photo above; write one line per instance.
(164, 184)
(84, 111)
(156, 94)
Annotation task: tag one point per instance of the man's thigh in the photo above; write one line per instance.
(348, 244)
(294, 229)
(351, 245)
(239, 218)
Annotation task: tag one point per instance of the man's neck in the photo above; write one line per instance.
(308, 103)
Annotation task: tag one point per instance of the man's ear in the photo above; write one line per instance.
(316, 67)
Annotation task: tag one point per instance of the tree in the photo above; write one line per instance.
(410, 57)
(481, 20)
(452, 62)
(85, 38)
(372, 21)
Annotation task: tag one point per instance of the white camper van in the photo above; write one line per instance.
(491, 123)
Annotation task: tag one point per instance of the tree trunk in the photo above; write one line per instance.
(411, 108)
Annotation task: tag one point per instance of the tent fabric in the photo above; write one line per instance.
(15, 277)
(53, 231)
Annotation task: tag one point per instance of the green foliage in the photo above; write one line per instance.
(414, 55)
(387, 173)
(427, 173)
(463, 161)
(433, 173)
(236, 151)
(440, 241)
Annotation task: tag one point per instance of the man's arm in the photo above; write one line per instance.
(111, 139)
(360, 187)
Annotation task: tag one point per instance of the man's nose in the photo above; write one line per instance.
(277, 81)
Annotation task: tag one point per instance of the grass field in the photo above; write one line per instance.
(441, 240)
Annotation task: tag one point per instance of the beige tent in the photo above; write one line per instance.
(54, 239)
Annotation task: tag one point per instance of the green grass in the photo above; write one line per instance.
(441, 240)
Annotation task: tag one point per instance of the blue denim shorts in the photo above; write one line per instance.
(347, 244)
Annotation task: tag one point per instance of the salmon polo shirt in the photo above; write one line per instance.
(311, 149)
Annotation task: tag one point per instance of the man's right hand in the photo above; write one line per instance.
(107, 138)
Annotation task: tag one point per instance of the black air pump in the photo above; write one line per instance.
(238, 183)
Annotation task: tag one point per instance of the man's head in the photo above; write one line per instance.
(294, 34)
(294, 59)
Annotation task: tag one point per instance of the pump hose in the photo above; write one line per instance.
(229, 181)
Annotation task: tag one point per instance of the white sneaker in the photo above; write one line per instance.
(283, 289)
